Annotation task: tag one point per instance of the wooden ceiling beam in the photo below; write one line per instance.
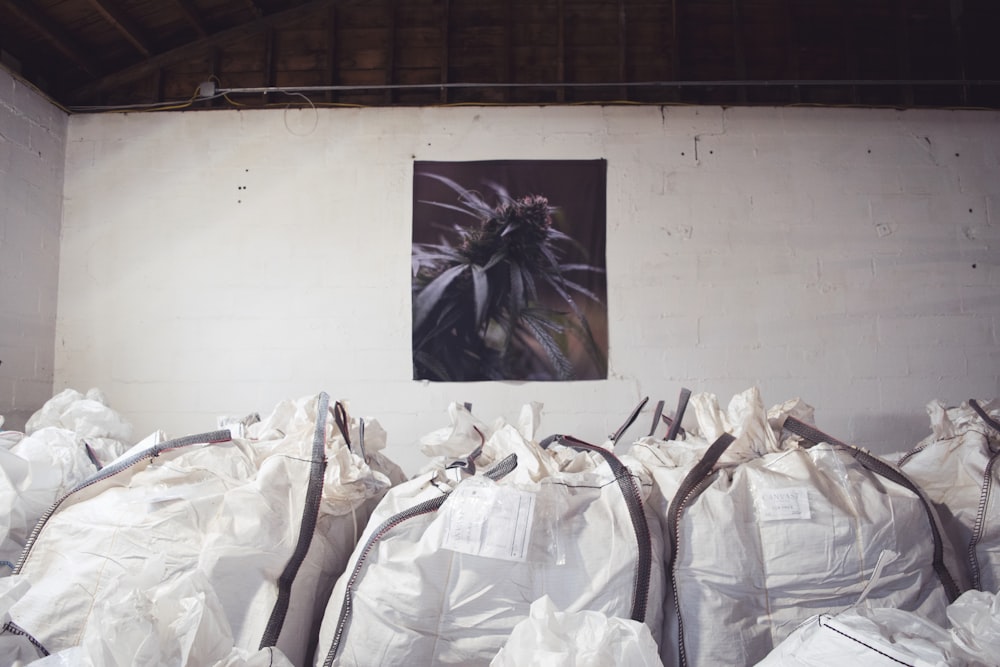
(508, 49)
(792, 50)
(122, 24)
(445, 30)
(850, 53)
(561, 56)
(675, 43)
(902, 11)
(61, 40)
(739, 54)
(331, 52)
(192, 16)
(198, 47)
(622, 50)
(957, 12)
(269, 62)
(390, 56)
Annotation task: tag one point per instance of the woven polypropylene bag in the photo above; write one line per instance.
(268, 522)
(428, 584)
(958, 466)
(773, 531)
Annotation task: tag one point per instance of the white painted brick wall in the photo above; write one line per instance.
(216, 262)
(32, 151)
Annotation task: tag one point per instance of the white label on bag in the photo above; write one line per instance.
(779, 504)
(484, 519)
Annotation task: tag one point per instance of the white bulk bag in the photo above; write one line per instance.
(105, 432)
(957, 466)
(69, 439)
(447, 568)
(766, 531)
(51, 412)
(35, 472)
(269, 522)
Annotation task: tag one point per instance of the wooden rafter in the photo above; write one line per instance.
(903, 49)
(561, 56)
(445, 23)
(739, 55)
(192, 16)
(198, 47)
(331, 52)
(959, 41)
(508, 48)
(792, 50)
(675, 61)
(54, 34)
(123, 24)
(390, 55)
(850, 46)
(269, 58)
(622, 50)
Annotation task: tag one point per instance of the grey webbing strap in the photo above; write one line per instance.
(989, 421)
(675, 425)
(361, 439)
(811, 434)
(617, 435)
(637, 515)
(307, 526)
(692, 481)
(469, 462)
(656, 418)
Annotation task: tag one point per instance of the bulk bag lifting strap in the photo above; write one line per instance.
(636, 513)
(691, 483)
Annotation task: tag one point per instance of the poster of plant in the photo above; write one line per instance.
(508, 270)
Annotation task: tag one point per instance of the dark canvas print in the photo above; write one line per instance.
(508, 270)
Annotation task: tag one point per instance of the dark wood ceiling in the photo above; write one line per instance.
(92, 54)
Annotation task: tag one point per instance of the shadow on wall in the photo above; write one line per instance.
(885, 434)
(14, 419)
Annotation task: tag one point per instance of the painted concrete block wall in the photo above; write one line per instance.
(217, 262)
(32, 159)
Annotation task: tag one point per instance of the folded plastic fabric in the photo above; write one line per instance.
(452, 560)
(268, 521)
(553, 638)
(149, 622)
(89, 417)
(975, 626)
